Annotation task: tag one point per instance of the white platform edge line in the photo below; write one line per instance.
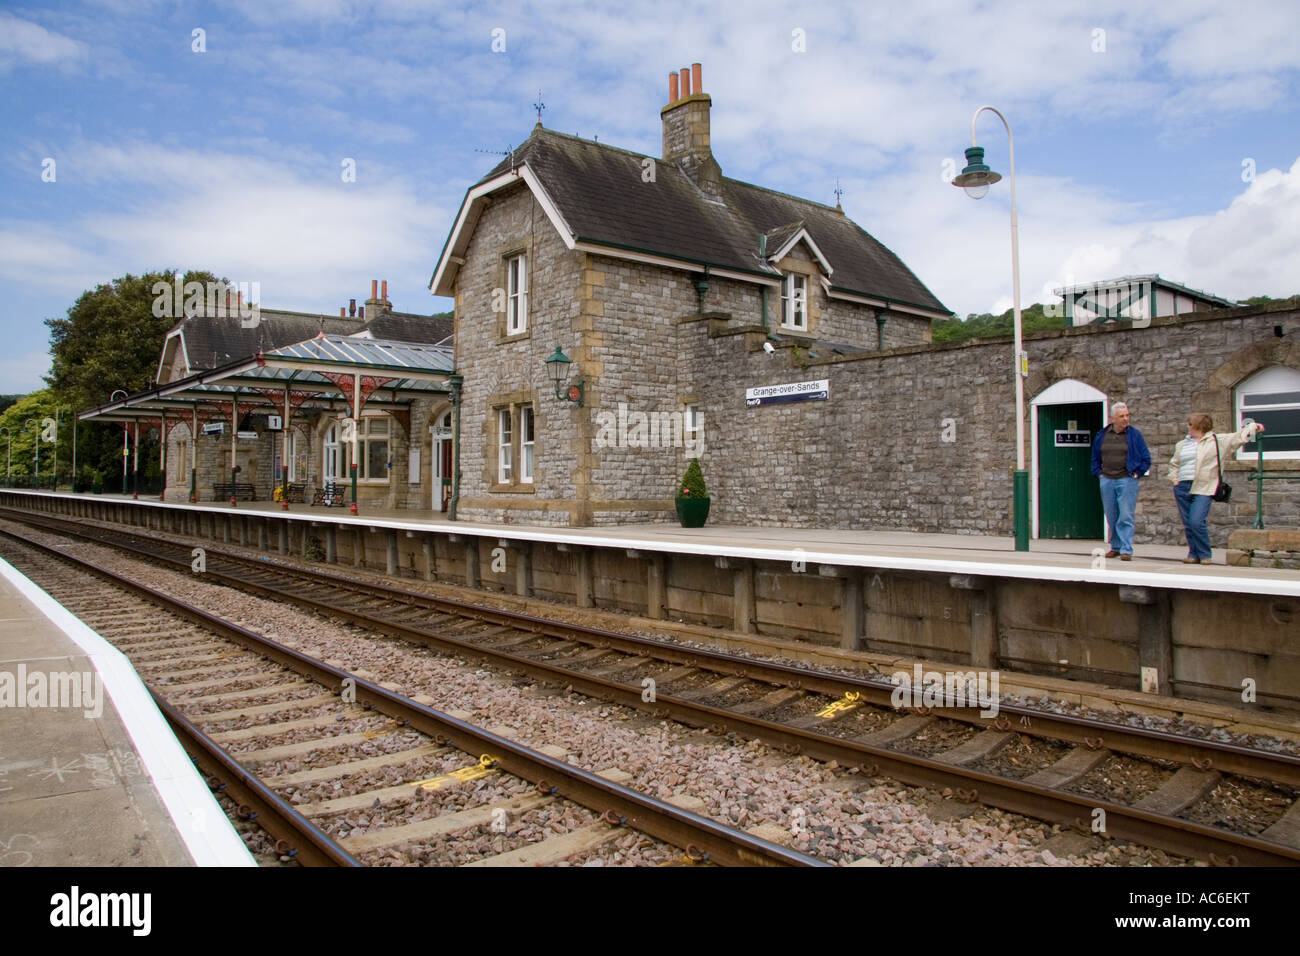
(883, 562)
(202, 825)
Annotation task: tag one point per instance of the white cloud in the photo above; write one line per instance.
(297, 229)
(24, 42)
(1070, 233)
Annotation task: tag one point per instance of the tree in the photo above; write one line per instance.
(23, 419)
(110, 340)
(985, 325)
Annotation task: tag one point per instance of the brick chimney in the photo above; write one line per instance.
(686, 131)
(378, 303)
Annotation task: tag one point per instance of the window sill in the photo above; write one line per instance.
(518, 488)
(504, 338)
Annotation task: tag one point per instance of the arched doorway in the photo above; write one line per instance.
(1064, 499)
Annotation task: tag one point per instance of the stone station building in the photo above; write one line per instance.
(679, 296)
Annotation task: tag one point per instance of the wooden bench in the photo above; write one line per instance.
(298, 491)
(223, 490)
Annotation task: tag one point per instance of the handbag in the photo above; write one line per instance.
(1224, 491)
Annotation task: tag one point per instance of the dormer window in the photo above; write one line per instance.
(794, 302)
(517, 294)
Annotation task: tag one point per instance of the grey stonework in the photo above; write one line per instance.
(637, 333)
(873, 455)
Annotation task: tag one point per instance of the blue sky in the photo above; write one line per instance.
(1150, 137)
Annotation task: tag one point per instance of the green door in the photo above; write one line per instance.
(1069, 502)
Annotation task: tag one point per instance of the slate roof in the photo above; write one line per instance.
(599, 191)
(213, 341)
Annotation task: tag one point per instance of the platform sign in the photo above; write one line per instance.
(274, 423)
(818, 391)
(1073, 438)
(214, 428)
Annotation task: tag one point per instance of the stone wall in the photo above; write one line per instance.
(875, 455)
(505, 371)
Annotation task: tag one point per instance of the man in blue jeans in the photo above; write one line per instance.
(1119, 458)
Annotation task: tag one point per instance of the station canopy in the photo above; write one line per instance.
(334, 374)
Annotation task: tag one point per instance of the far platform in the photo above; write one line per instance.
(1078, 560)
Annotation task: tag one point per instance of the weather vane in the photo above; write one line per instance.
(838, 192)
(539, 106)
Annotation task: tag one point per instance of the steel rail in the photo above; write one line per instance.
(310, 845)
(1134, 741)
(705, 839)
(1169, 833)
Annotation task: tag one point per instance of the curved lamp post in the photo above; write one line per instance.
(976, 179)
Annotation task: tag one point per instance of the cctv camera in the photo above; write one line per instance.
(768, 348)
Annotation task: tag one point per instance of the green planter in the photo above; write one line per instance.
(692, 512)
(97, 488)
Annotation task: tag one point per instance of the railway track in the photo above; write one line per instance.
(268, 724)
(1050, 766)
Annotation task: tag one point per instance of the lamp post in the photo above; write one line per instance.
(976, 179)
(125, 451)
(9, 455)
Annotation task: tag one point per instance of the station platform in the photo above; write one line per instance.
(98, 781)
(1075, 560)
(1218, 633)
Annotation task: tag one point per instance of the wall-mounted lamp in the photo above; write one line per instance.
(558, 365)
(701, 287)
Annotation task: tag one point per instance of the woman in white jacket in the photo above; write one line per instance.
(1195, 471)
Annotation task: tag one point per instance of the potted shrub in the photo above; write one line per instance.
(693, 497)
(97, 482)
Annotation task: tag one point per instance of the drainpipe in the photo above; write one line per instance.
(762, 290)
(455, 381)
(880, 332)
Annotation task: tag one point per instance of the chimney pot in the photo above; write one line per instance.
(384, 293)
(673, 95)
(343, 312)
(352, 307)
(239, 298)
(374, 288)
(686, 132)
(361, 312)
